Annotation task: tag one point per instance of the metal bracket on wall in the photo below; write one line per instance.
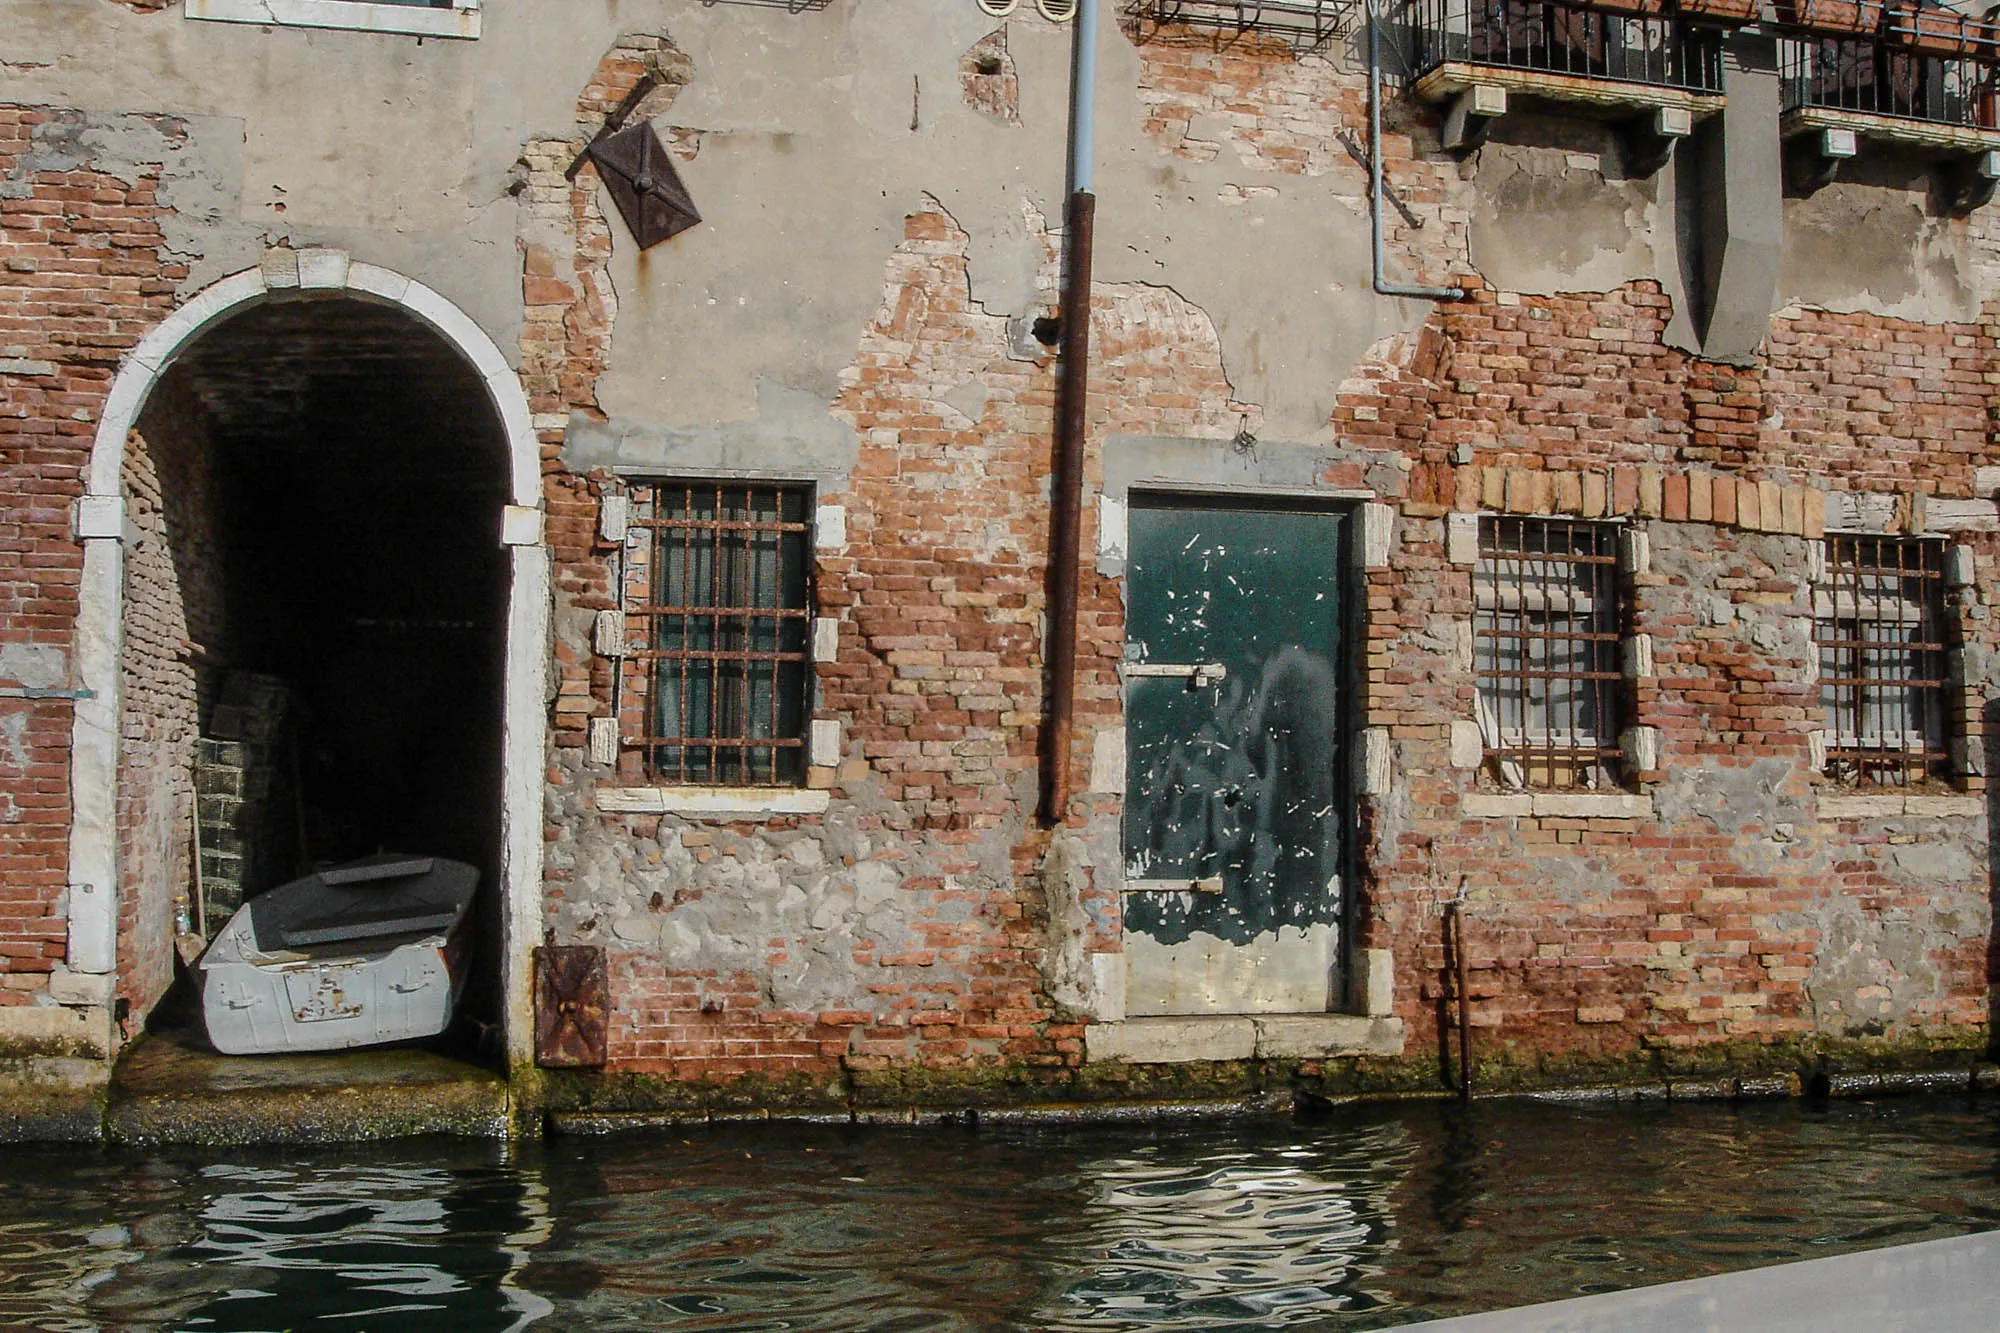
(572, 1006)
(639, 173)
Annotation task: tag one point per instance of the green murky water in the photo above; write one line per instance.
(1374, 1217)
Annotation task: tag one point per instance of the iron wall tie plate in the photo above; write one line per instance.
(644, 184)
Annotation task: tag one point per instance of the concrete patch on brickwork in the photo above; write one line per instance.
(1873, 245)
(791, 435)
(1873, 973)
(1552, 216)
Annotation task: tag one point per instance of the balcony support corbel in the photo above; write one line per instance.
(1812, 160)
(1968, 182)
(1471, 116)
(1650, 142)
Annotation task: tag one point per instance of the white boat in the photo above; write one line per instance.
(358, 954)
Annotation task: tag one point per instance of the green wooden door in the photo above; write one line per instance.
(1235, 792)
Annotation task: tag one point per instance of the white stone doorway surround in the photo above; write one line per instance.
(92, 898)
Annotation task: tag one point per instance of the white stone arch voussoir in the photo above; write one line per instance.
(92, 898)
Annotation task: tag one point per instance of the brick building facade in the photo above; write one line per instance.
(236, 363)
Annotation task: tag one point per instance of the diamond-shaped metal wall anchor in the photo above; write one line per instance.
(644, 184)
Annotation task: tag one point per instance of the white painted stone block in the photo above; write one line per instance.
(81, 988)
(281, 269)
(1378, 531)
(100, 518)
(826, 639)
(830, 527)
(823, 743)
(630, 800)
(1958, 567)
(1642, 748)
(1639, 656)
(1461, 539)
(607, 636)
(323, 270)
(1941, 515)
(1107, 977)
(1494, 805)
(614, 515)
(1859, 807)
(1378, 982)
(1468, 746)
(1816, 750)
(1107, 761)
(1323, 1036)
(1170, 1040)
(382, 283)
(1945, 807)
(1592, 805)
(1375, 762)
(604, 740)
(520, 526)
(1113, 528)
(1635, 551)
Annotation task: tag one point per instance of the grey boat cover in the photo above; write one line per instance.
(377, 896)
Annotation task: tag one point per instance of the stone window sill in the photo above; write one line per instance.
(1889, 805)
(712, 802)
(1556, 805)
(1163, 1041)
(461, 20)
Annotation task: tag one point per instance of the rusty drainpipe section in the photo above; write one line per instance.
(1072, 393)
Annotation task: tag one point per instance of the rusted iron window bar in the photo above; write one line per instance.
(1866, 74)
(724, 630)
(1879, 624)
(1657, 49)
(1546, 644)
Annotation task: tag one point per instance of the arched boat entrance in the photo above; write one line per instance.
(313, 563)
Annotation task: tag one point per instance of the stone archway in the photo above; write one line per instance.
(93, 877)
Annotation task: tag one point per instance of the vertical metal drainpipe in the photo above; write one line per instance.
(1072, 393)
(1383, 286)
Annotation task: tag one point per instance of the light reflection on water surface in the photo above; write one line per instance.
(1371, 1218)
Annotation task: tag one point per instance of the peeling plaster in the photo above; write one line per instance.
(1873, 246)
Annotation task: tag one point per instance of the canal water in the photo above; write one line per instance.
(1366, 1218)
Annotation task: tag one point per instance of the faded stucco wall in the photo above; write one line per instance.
(856, 309)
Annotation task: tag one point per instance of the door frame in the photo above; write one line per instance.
(1206, 472)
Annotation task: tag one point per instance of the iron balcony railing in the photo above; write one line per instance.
(1554, 38)
(1866, 75)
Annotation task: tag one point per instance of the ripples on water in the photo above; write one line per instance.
(1375, 1217)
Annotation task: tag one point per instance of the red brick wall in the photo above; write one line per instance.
(1605, 938)
(81, 279)
(174, 621)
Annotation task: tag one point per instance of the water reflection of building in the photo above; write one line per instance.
(1245, 1231)
(284, 1245)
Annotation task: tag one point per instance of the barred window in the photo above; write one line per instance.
(1879, 623)
(718, 615)
(1546, 644)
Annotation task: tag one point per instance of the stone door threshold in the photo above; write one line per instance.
(1161, 1041)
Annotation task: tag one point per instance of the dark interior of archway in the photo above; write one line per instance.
(363, 473)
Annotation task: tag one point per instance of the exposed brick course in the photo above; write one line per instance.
(82, 278)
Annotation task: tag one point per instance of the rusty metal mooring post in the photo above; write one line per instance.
(1455, 934)
(1066, 516)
